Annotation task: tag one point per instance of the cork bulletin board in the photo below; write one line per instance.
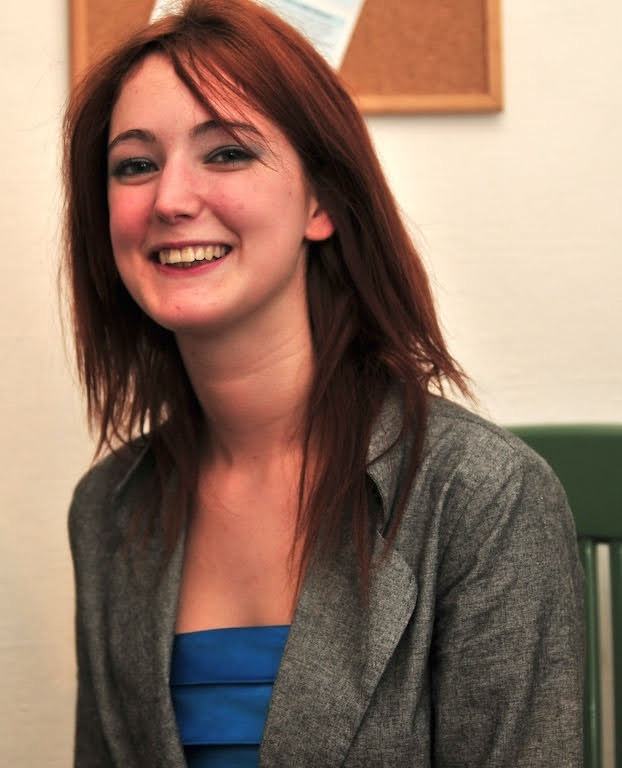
(405, 56)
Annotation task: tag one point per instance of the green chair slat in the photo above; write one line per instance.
(588, 461)
(615, 560)
(591, 707)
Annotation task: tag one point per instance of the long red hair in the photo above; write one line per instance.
(372, 315)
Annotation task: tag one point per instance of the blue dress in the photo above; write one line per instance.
(221, 684)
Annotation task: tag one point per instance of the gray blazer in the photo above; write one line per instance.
(469, 654)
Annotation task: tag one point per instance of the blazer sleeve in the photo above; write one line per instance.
(90, 747)
(507, 654)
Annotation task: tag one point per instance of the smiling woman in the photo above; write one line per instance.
(298, 552)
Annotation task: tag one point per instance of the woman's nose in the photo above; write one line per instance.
(177, 196)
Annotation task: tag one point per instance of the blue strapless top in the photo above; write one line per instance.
(221, 684)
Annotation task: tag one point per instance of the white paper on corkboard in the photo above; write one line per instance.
(327, 24)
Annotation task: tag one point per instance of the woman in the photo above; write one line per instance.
(258, 345)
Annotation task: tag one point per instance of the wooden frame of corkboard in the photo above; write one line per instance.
(419, 56)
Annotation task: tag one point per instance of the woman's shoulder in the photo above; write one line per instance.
(486, 479)
(472, 475)
(473, 456)
(461, 437)
(458, 444)
(111, 473)
(481, 502)
(102, 486)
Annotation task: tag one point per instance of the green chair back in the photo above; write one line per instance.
(588, 461)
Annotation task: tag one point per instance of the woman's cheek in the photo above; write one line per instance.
(129, 219)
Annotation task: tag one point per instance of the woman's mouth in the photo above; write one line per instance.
(190, 254)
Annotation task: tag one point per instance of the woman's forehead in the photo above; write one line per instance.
(154, 82)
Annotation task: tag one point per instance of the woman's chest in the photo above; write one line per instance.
(240, 566)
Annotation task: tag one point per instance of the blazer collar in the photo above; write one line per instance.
(134, 455)
(386, 454)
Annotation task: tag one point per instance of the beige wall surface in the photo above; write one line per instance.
(517, 215)
(43, 446)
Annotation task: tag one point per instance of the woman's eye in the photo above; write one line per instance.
(135, 166)
(231, 156)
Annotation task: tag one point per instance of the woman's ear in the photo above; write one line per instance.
(319, 225)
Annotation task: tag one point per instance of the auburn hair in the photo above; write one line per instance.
(372, 315)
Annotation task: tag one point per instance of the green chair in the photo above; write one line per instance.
(588, 461)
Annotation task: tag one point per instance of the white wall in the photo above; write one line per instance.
(519, 219)
(42, 444)
(520, 216)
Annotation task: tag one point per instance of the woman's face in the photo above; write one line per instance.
(206, 234)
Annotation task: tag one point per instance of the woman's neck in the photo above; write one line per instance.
(253, 390)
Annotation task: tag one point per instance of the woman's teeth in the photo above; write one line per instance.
(192, 253)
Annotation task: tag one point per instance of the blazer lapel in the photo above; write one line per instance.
(337, 649)
(334, 657)
(142, 613)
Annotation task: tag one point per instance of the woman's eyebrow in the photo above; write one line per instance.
(211, 125)
(199, 130)
(133, 133)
